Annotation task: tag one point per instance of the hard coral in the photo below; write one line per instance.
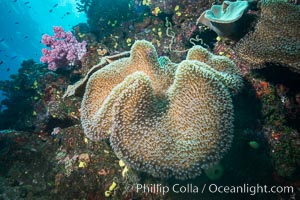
(276, 38)
(162, 118)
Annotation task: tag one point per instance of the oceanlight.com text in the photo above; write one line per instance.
(214, 188)
(250, 189)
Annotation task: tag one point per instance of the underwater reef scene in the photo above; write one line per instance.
(150, 99)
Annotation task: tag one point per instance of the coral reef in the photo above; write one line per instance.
(104, 15)
(184, 111)
(65, 49)
(276, 37)
(169, 119)
(169, 25)
(33, 99)
(21, 93)
(26, 170)
(284, 145)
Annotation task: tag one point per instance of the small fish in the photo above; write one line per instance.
(67, 13)
(50, 10)
(27, 2)
(14, 57)
(7, 69)
(14, 0)
(1, 62)
(25, 36)
(16, 22)
(55, 5)
(2, 40)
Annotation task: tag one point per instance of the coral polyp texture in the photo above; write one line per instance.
(166, 119)
(276, 37)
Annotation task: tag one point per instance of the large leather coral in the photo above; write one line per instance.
(163, 118)
(276, 38)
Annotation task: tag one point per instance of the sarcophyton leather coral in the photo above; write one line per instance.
(163, 118)
(276, 38)
(226, 19)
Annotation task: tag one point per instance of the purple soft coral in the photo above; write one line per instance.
(65, 49)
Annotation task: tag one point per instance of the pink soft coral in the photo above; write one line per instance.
(64, 50)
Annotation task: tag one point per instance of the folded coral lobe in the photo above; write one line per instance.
(96, 107)
(191, 132)
(162, 118)
(96, 113)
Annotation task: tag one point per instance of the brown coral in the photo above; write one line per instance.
(96, 115)
(276, 38)
(226, 70)
(162, 118)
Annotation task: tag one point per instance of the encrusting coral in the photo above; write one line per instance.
(276, 38)
(163, 118)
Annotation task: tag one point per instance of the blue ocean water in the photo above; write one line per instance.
(23, 22)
